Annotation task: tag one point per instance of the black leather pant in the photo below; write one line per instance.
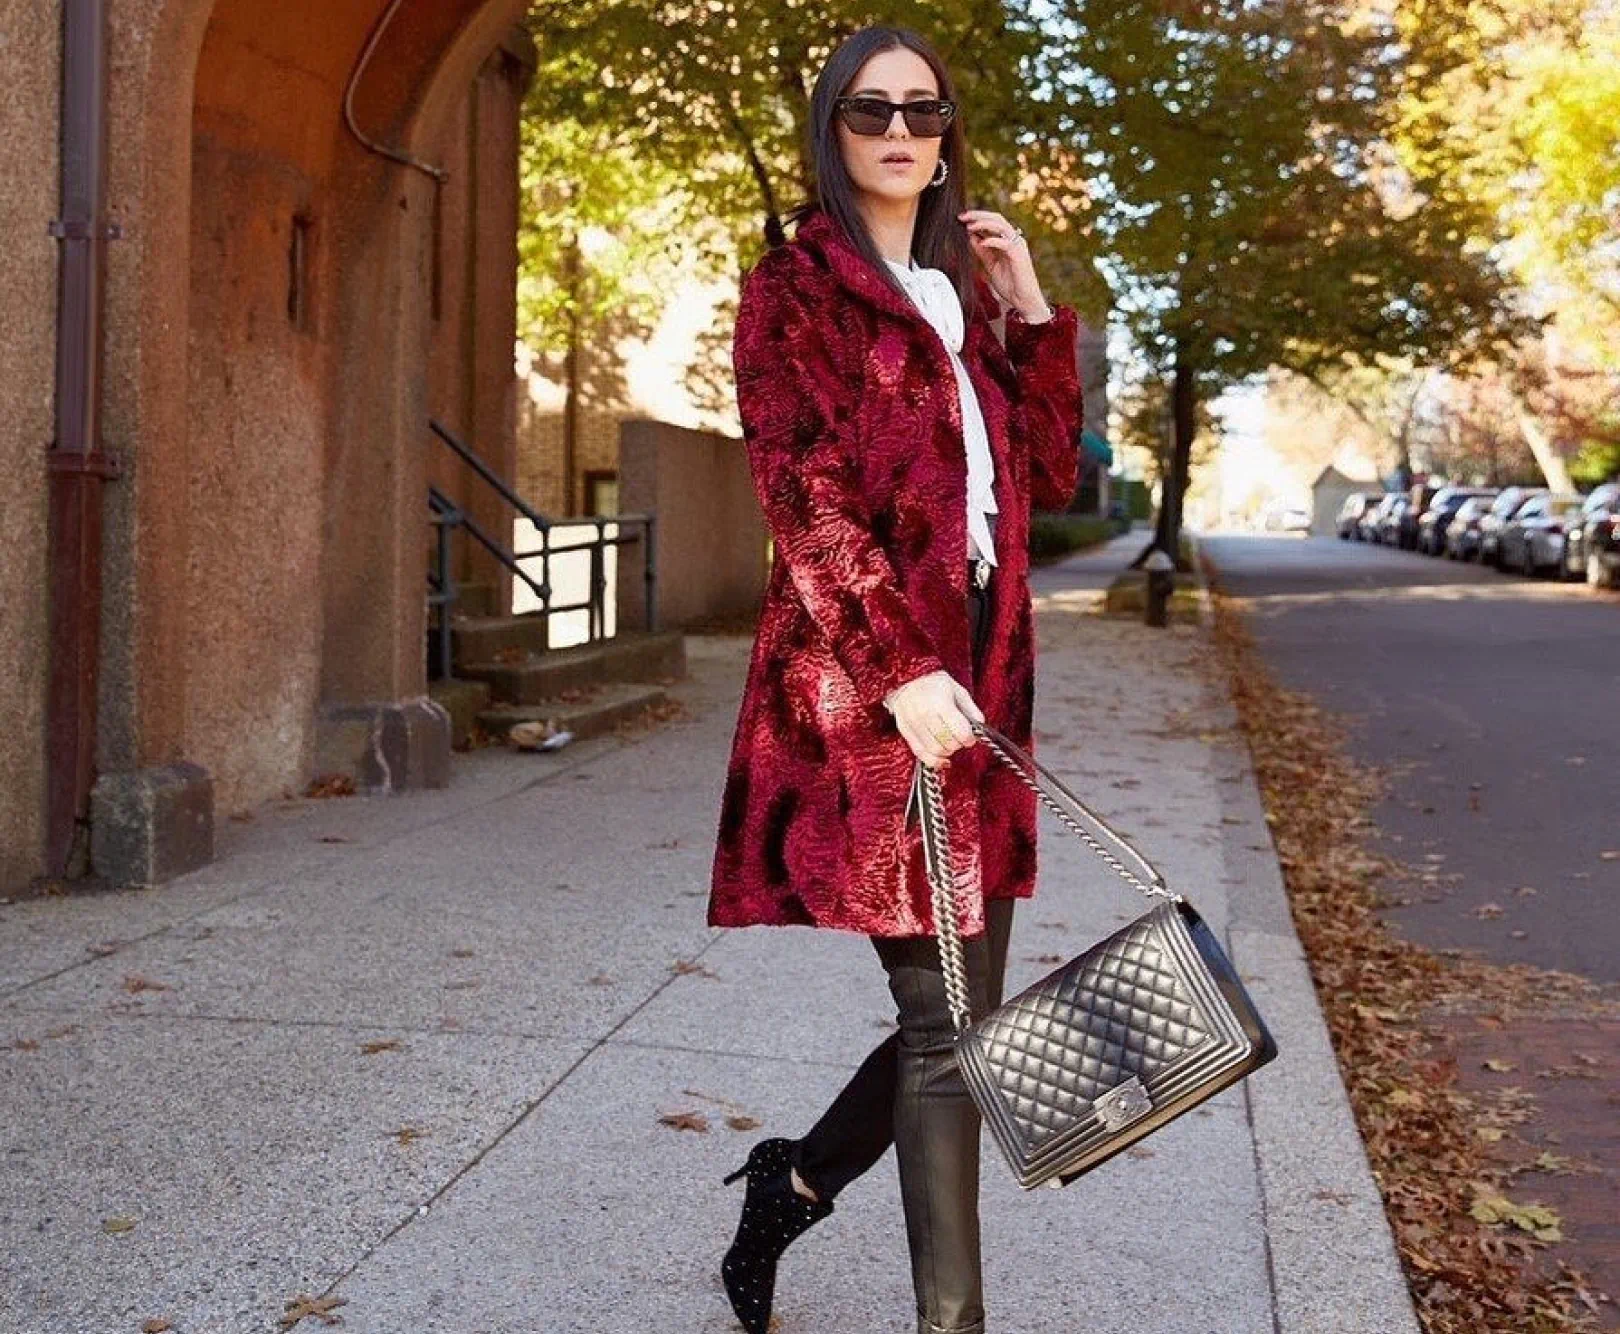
(909, 1092)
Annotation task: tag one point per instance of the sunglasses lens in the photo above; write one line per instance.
(926, 124)
(870, 115)
(865, 116)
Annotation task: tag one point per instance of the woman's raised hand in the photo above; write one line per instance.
(935, 714)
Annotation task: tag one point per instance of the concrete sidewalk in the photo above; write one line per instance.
(194, 1129)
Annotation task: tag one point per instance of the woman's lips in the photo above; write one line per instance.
(902, 164)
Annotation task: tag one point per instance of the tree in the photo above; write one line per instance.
(1245, 203)
(1514, 111)
(704, 109)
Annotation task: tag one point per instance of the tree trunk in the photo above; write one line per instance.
(570, 422)
(1173, 493)
(1547, 457)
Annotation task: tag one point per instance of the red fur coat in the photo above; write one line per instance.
(853, 427)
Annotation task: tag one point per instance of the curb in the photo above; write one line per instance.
(1333, 1258)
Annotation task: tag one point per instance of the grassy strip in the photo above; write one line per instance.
(1470, 1255)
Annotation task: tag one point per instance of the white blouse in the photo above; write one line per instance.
(934, 294)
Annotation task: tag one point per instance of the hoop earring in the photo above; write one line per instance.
(940, 174)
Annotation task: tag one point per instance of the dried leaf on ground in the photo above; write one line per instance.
(320, 1308)
(685, 1121)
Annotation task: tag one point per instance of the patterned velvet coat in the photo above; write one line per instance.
(853, 428)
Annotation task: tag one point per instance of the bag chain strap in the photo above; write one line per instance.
(942, 877)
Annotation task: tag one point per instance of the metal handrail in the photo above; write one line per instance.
(447, 516)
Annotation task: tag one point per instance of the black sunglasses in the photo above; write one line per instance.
(926, 118)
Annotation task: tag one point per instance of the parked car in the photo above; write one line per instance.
(1287, 519)
(1592, 544)
(1533, 540)
(1462, 533)
(1433, 522)
(1391, 525)
(1503, 508)
(1356, 504)
(1368, 525)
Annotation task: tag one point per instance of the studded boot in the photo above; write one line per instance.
(773, 1215)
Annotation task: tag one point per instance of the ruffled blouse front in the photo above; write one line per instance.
(934, 294)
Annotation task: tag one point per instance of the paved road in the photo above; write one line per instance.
(1495, 702)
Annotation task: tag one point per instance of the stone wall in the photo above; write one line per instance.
(270, 326)
(28, 166)
(710, 535)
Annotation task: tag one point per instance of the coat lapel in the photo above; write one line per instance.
(855, 273)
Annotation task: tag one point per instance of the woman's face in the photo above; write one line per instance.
(896, 75)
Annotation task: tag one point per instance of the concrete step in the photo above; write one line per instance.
(585, 711)
(520, 677)
(462, 700)
(476, 599)
(496, 638)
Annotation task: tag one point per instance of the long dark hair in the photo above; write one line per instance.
(938, 239)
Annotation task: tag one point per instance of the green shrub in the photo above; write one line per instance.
(1054, 535)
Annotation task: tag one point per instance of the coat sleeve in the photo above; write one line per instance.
(1048, 412)
(802, 458)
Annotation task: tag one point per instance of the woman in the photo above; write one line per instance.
(896, 449)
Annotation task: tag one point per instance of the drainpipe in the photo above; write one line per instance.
(77, 466)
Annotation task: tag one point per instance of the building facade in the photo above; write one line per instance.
(252, 250)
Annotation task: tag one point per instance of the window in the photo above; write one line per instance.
(298, 245)
(601, 491)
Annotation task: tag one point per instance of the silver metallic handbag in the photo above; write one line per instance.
(1138, 1029)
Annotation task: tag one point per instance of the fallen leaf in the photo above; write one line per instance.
(119, 1223)
(319, 1307)
(134, 982)
(384, 1044)
(1539, 1221)
(743, 1122)
(685, 1121)
(1495, 1063)
(156, 1325)
(687, 967)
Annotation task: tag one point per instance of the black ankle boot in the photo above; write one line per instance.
(773, 1215)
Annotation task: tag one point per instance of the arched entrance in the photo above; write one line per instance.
(290, 307)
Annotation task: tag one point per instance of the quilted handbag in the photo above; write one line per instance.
(1105, 1049)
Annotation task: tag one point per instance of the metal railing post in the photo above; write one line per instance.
(447, 599)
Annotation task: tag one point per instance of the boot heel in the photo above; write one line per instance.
(734, 1176)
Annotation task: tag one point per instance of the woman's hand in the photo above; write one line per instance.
(1003, 253)
(936, 716)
